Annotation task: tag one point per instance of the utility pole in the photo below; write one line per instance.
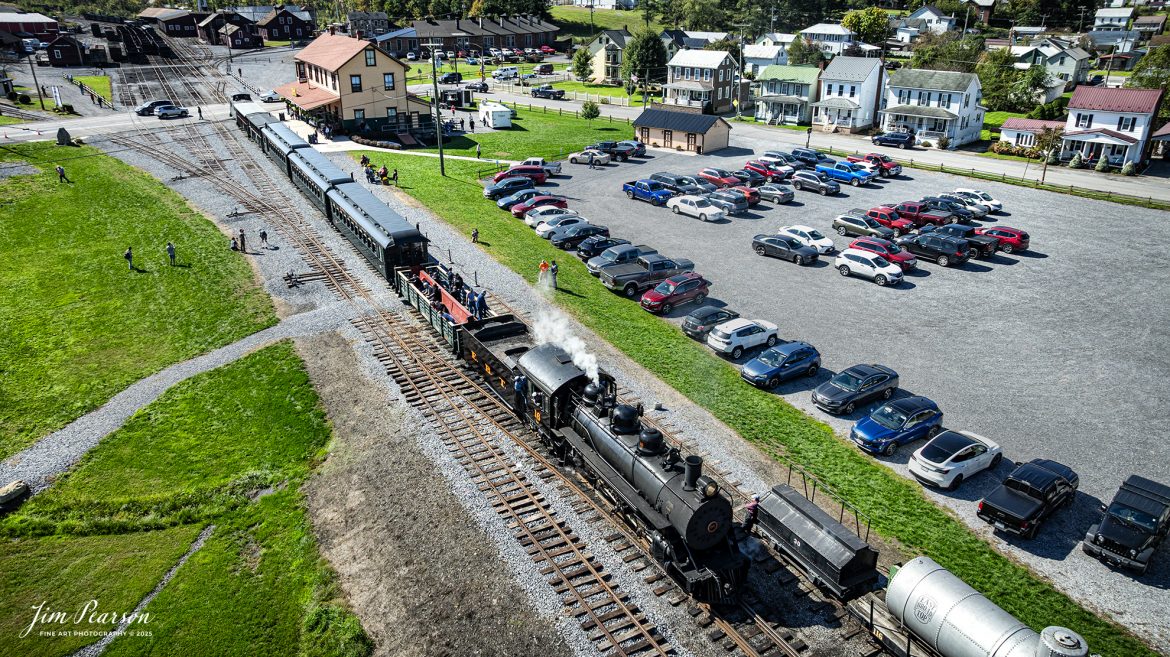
(438, 116)
(33, 67)
(592, 30)
(739, 64)
(1081, 21)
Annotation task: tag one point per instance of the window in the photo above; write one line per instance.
(1026, 139)
(707, 74)
(903, 96)
(852, 90)
(355, 83)
(1126, 123)
(359, 115)
(388, 81)
(1084, 120)
(392, 114)
(371, 58)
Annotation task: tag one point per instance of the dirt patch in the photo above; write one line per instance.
(412, 563)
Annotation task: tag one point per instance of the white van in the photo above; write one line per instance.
(494, 115)
(505, 73)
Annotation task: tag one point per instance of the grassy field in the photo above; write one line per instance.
(33, 103)
(99, 83)
(77, 326)
(575, 20)
(9, 120)
(604, 90)
(421, 71)
(537, 134)
(199, 455)
(897, 506)
(277, 44)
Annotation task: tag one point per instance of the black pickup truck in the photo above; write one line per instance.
(1029, 495)
(1134, 525)
(547, 91)
(642, 274)
(982, 245)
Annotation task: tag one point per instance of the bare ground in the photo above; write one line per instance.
(417, 571)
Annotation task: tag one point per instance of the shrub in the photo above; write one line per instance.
(25, 100)
(678, 148)
(1128, 169)
(944, 142)
(604, 100)
(654, 144)
(1053, 157)
(1102, 164)
(1077, 162)
(927, 144)
(12, 96)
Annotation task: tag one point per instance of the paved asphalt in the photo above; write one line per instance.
(1057, 352)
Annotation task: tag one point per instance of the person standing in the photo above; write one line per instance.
(552, 270)
(61, 175)
(199, 111)
(394, 177)
(518, 389)
(475, 236)
(471, 122)
(481, 305)
(477, 151)
(751, 510)
(543, 272)
(263, 238)
(129, 256)
(171, 253)
(591, 164)
(243, 248)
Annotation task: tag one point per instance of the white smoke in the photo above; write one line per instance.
(554, 328)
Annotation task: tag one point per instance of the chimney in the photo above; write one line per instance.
(457, 22)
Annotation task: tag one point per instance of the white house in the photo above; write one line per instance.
(776, 39)
(831, 38)
(1112, 18)
(1111, 121)
(1023, 132)
(850, 89)
(934, 104)
(932, 20)
(757, 58)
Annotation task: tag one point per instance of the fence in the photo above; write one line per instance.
(560, 111)
(600, 99)
(94, 96)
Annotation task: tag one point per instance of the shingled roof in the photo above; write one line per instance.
(677, 121)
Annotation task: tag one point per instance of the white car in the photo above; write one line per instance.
(809, 237)
(735, 336)
(551, 168)
(981, 197)
(171, 112)
(542, 213)
(412, 56)
(978, 209)
(869, 265)
(870, 167)
(558, 225)
(695, 206)
(599, 158)
(952, 457)
(270, 97)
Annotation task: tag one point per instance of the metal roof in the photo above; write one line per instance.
(755, 51)
(934, 80)
(851, 69)
(549, 367)
(699, 58)
(1115, 99)
(1030, 125)
(803, 74)
(679, 121)
(836, 102)
(920, 110)
(827, 28)
(371, 209)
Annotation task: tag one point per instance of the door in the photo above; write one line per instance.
(667, 138)
(690, 141)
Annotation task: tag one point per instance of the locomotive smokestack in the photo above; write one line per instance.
(694, 470)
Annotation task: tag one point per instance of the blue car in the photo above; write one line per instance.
(507, 202)
(780, 363)
(902, 140)
(897, 423)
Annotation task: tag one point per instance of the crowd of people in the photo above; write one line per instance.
(475, 302)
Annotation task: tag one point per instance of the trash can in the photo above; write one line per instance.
(281, 115)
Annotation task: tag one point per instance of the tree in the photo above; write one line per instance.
(997, 75)
(1153, 72)
(872, 24)
(1029, 86)
(582, 65)
(947, 52)
(703, 15)
(1048, 142)
(589, 110)
(803, 51)
(645, 58)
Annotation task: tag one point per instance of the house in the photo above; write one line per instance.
(347, 81)
(934, 104)
(606, 51)
(983, 9)
(1150, 25)
(676, 40)
(35, 25)
(850, 89)
(608, 4)
(1067, 65)
(1110, 18)
(66, 51)
(785, 94)
(486, 33)
(367, 23)
(1114, 41)
(1111, 122)
(697, 133)
(702, 79)
(398, 42)
(776, 39)
(240, 36)
(284, 24)
(210, 29)
(932, 19)
(172, 22)
(1023, 132)
(831, 38)
(757, 57)
(1122, 61)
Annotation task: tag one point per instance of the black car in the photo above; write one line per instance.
(147, 108)
(477, 86)
(680, 184)
(1029, 495)
(615, 149)
(902, 140)
(750, 178)
(700, 322)
(817, 182)
(980, 245)
(1135, 523)
(785, 248)
(810, 157)
(943, 249)
(507, 186)
(639, 147)
(451, 78)
(574, 235)
(593, 246)
(854, 386)
(961, 213)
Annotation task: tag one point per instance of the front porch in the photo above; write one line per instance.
(782, 109)
(927, 123)
(838, 112)
(688, 93)
(1094, 144)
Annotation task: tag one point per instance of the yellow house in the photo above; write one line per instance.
(353, 83)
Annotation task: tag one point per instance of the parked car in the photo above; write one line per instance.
(855, 386)
(676, 291)
(617, 255)
(784, 159)
(780, 363)
(507, 186)
(147, 108)
(676, 183)
(554, 227)
(888, 250)
(785, 247)
(1010, 239)
(550, 168)
(922, 213)
(817, 182)
(776, 193)
(976, 208)
(617, 150)
(749, 177)
(539, 215)
(856, 223)
(952, 457)
(810, 237)
(654, 193)
(481, 87)
(574, 235)
(537, 174)
(896, 423)
(958, 211)
(902, 140)
(695, 206)
(728, 201)
(639, 147)
(644, 273)
(889, 218)
(750, 193)
(582, 157)
(548, 50)
(270, 97)
(810, 157)
(735, 336)
(701, 320)
(770, 170)
(547, 91)
(944, 250)
(719, 177)
(537, 201)
(846, 172)
(412, 56)
(171, 112)
(451, 78)
(1135, 523)
(510, 201)
(983, 197)
(855, 262)
(883, 164)
(593, 246)
(979, 245)
(1031, 493)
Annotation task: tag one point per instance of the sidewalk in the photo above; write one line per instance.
(341, 144)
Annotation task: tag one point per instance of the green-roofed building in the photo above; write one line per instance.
(785, 94)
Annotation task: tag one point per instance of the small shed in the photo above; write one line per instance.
(66, 51)
(495, 115)
(458, 98)
(697, 133)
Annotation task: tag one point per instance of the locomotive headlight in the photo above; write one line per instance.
(710, 489)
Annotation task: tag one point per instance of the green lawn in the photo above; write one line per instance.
(277, 44)
(537, 134)
(75, 325)
(9, 120)
(420, 71)
(99, 83)
(995, 120)
(33, 103)
(65, 573)
(575, 20)
(897, 506)
(604, 90)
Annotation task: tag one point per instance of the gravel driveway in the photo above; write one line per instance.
(1055, 352)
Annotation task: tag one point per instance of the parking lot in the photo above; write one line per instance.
(1056, 352)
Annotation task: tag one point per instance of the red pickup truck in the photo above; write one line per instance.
(885, 166)
(889, 218)
(921, 214)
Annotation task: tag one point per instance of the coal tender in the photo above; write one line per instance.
(684, 513)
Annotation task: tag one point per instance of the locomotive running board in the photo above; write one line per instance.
(615, 480)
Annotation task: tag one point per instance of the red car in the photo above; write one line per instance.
(518, 51)
(719, 177)
(1010, 239)
(888, 250)
(537, 174)
(548, 50)
(889, 218)
(520, 209)
(769, 170)
(752, 194)
(675, 291)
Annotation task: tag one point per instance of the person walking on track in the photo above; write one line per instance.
(199, 111)
(263, 238)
